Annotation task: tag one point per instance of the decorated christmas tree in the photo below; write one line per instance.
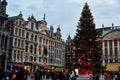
(87, 44)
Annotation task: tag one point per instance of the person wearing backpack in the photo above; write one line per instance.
(38, 75)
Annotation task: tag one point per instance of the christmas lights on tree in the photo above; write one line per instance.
(87, 46)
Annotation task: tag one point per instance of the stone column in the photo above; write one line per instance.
(113, 50)
(108, 50)
(0, 40)
(5, 64)
(103, 52)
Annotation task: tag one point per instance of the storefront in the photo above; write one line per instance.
(113, 67)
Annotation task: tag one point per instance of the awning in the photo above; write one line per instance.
(40, 65)
(47, 67)
(18, 64)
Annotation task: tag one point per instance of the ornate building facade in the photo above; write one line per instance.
(33, 44)
(4, 36)
(111, 48)
(69, 53)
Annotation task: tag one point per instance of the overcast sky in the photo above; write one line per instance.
(66, 13)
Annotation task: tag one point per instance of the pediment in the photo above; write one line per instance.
(114, 34)
(44, 32)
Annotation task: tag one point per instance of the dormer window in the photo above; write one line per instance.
(16, 22)
(32, 25)
(20, 23)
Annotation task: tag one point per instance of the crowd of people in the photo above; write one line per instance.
(40, 74)
(53, 74)
(107, 75)
(19, 74)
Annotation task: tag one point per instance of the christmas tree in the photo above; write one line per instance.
(87, 44)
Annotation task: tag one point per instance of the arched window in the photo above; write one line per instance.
(36, 38)
(6, 41)
(35, 48)
(31, 49)
(2, 41)
(34, 59)
(27, 35)
(26, 58)
(32, 37)
(26, 48)
(31, 58)
(15, 55)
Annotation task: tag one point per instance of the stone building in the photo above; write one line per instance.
(111, 47)
(4, 36)
(32, 44)
(69, 53)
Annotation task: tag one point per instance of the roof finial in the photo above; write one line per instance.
(44, 17)
(112, 24)
(20, 12)
(102, 25)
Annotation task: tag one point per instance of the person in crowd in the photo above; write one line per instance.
(13, 75)
(72, 76)
(1, 73)
(20, 74)
(48, 74)
(25, 74)
(53, 75)
(38, 75)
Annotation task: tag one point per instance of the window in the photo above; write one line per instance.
(23, 33)
(22, 44)
(39, 59)
(15, 55)
(31, 58)
(35, 49)
(32, 25)
(18, 42)
(21, 56)
(20, 32)
(27, 35)
(20, 23)
(35, 38)
(31, 49)
(26, 58)
(15, 42)
(32, 37)
(34, 59)
(16, 30)
(18, 55)
(6, 42)
(16, 22)
(26, 48)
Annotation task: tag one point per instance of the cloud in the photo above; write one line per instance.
(29, 6)
(66, 13)
(111, 3)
